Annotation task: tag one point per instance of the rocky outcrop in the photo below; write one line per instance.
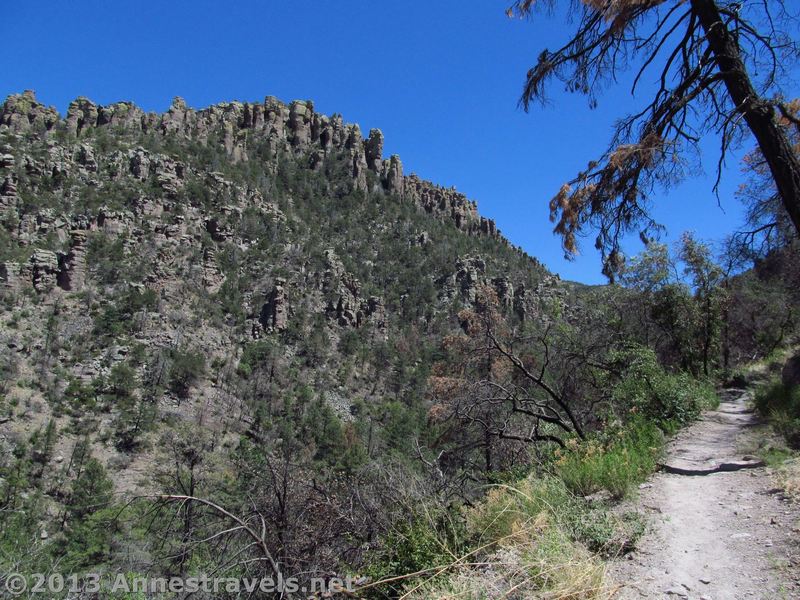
(373, 150)
(301, 115)
(469, 276)
(21, 113)
(275, 311)
(10, 275)
(85, 157)
(44, 270)
(7, 160)
(8, 191)
(8, 178)
(122, 115)
(392, 176)
(112, 222)
(448, 204)
(295, 128)
(345, 304)
(520, 304)
(71, 274)
(213, 278)
(81, 114)
(342, 290)
(504, 290)
(373, 312)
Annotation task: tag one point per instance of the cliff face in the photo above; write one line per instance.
(294, 129)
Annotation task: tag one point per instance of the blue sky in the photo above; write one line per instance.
(441, 79)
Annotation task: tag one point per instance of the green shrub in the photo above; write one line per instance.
(424, 543)
(647, 390)
(185, 369)
(106, 255)
(780, 404)
(615, 461)
(116, 319)
(255, 355)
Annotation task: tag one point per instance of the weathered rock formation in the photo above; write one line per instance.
(22, 112)
(295, 129)
(44, 270)
(72, 265)
(275, 311)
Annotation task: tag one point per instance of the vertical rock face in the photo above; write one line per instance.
(212, 277)
(7, 160)
(44, 270)
(448, 204)
(521, 302)
(111, 222)
(8, 178)
(10, 275)
(392, 175)
(123, 115)
(175, 117)
(373, 150)
(275, 311)
(373, 312)
(345, 304)
(488, 227)
(81, 114)
(355, 146)
(8, 191)
(505, 291)
(300, 117)
(72, 265)
(85, 156)
(469, 275)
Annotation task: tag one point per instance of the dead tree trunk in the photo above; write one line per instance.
(758, 113)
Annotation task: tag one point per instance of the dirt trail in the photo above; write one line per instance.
(720, 536)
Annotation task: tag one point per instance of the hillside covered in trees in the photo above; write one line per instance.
(240, 340)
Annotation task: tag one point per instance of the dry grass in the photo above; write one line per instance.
(546, 565)
(788, 477)
(529, 554)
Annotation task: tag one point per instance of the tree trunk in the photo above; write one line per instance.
(487, 451)
(757, 112)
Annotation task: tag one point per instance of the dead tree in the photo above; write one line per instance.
(500, 392)
(718, 66)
